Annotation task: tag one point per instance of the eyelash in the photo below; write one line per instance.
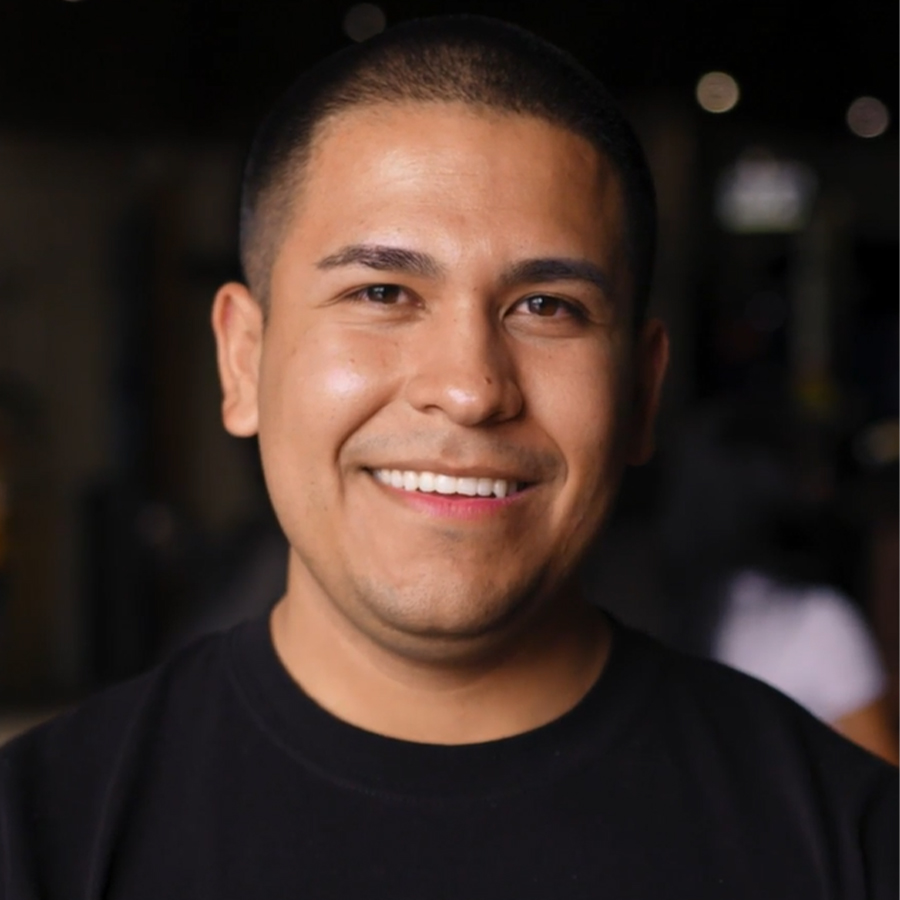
(573, 310)
(362, 293)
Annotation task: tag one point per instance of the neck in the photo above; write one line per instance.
(518, 684)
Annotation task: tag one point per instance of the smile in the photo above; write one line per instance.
(447, 485)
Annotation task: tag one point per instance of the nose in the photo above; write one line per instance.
(464, 369)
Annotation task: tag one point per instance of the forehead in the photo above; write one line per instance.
(460, 178)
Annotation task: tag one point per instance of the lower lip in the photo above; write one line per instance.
(454, 506)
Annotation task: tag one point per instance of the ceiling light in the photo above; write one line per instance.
(868, 117)
(363, 21)
(717, 92)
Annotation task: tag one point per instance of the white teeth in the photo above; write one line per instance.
(445, 484)
(467, 486)
(430, 482)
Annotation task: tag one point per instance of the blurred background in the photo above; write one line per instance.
(767, 524)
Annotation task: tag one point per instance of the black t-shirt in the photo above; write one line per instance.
(214, 776)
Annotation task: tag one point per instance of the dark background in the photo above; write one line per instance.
(206, 68)
(129, 514)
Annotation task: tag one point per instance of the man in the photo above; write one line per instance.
(442, 346)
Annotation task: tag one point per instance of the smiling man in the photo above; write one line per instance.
(443, 347)
(446, 378)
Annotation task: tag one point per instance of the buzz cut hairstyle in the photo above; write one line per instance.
(484, 63)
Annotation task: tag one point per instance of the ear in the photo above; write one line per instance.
(651, 360)
(237, 322)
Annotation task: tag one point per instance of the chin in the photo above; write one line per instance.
(451, 617)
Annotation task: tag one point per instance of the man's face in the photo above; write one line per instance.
(448, 383)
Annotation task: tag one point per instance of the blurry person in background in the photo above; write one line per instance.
(443, 347)
(737, 567)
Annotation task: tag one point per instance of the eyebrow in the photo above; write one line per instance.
(384, 259)
(557, 269)
(399, 259)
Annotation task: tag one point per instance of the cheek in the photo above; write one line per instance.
(319, 391)
(316, 394)
(344, 382)
(340, 394)
(576, 396)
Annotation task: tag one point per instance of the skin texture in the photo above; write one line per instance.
(450, 621)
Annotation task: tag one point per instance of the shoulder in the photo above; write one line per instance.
(69, 760)
(110, 714)
(770, 768)
(65, 785)
(703, 701)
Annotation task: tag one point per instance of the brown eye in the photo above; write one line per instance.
(382, 293)
(541, 305)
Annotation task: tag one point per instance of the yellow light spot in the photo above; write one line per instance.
(717, 92)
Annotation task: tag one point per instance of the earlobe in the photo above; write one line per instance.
(651, 361)
(237, 322)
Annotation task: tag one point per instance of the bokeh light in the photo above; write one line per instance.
(717, 92)
(762, 194)
(363, 21)
(868, 117)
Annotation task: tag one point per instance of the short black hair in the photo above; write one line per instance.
(470, 59)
